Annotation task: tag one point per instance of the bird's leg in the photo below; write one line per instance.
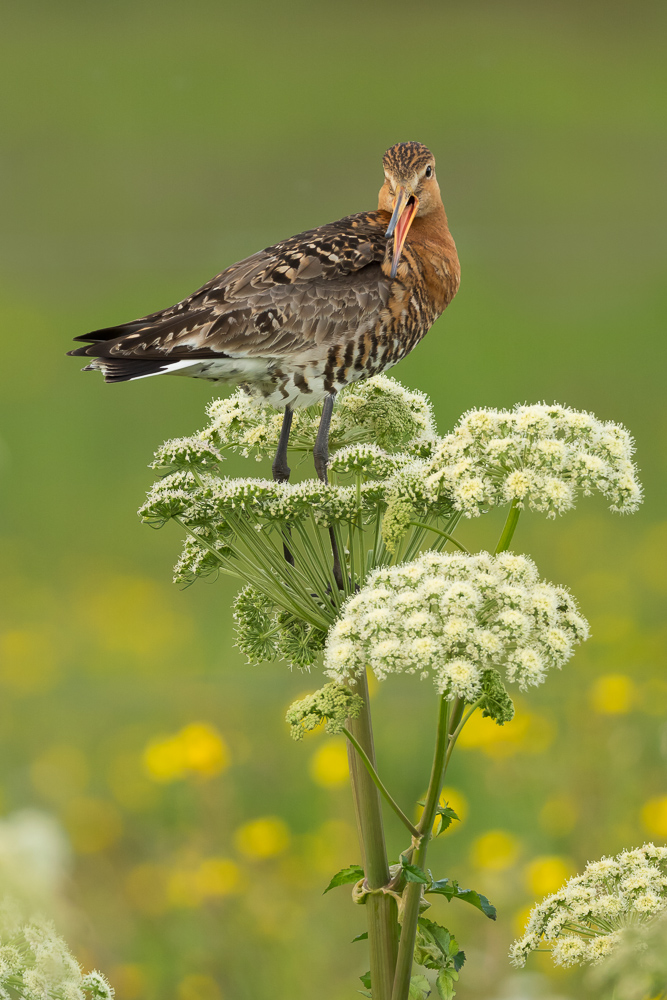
(321, 456)
(280, 468)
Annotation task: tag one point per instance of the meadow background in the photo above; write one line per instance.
(146, 146)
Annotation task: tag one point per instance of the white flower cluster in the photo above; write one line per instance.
(537, 456)
(378, 410)
(452, 616)
(583, 921)
(36, 964)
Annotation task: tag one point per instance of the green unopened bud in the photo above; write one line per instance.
(332, 704)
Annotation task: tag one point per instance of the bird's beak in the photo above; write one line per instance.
(405, 209)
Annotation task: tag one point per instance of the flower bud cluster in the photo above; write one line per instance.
(263, 632)
(333, 704)
(36, 963)
(583, 921)
(452, 616)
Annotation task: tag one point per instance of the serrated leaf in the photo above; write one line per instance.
(366, 980)
(445, 816)
(459, 961)
(345, 875)
(413, 873)
(360, 937)
(445, 986)
(365, 993)
(419, 988)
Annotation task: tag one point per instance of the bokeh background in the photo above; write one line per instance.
(146, 146)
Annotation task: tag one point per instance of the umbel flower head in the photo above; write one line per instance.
(536, 456)
(378, 410)
(584, 921)
(36, 964)
(453, 616)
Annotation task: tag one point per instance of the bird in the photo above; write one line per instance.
(299, 320)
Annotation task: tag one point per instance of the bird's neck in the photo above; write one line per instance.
(432, 229)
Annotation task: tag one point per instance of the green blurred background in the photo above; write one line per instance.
(146, 146)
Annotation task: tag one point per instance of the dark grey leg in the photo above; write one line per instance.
(321, 449)
(321, 456)
(280, 468)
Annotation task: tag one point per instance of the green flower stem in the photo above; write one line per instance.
(454, 734)
(413, 891)
(438, 531)
(380, 784)
(381, 909)
(510, 527)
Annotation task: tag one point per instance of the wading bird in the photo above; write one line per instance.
(296, 322)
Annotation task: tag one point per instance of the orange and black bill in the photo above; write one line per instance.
(405, 209)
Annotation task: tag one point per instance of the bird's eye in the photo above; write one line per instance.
(428, 172)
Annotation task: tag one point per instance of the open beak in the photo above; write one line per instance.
(405, 209)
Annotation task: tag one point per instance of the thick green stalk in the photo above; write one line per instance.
(510, 527)
(381, 909)
(413, 890)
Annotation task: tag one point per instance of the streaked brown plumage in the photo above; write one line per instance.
(295, 322)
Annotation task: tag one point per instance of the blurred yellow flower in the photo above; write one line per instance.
(528, 732)
(27, 662)
(613, 694)
(218, 877)
(496, 850)
(93, 824)
(146, 889)
(198, 749)
(60, 773)
(654, 816)
(264, 837)
(547, 873)
(558, 815)
(129, 981)
(198, 987)
(328, 765)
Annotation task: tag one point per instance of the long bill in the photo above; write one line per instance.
(405, 209)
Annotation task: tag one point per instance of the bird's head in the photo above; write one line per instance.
(410, 189)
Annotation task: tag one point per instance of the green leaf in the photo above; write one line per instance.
(419, 988)
(436, 948)
(450, 889)
(360, 937)
(445, 814)
(445, 985)
(365, 993)
(413, 873)
(366, 980)
(345, 875)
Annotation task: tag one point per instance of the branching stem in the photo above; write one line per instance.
(380, 784)
(510, 527)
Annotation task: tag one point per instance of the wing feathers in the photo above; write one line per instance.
(299, 295)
